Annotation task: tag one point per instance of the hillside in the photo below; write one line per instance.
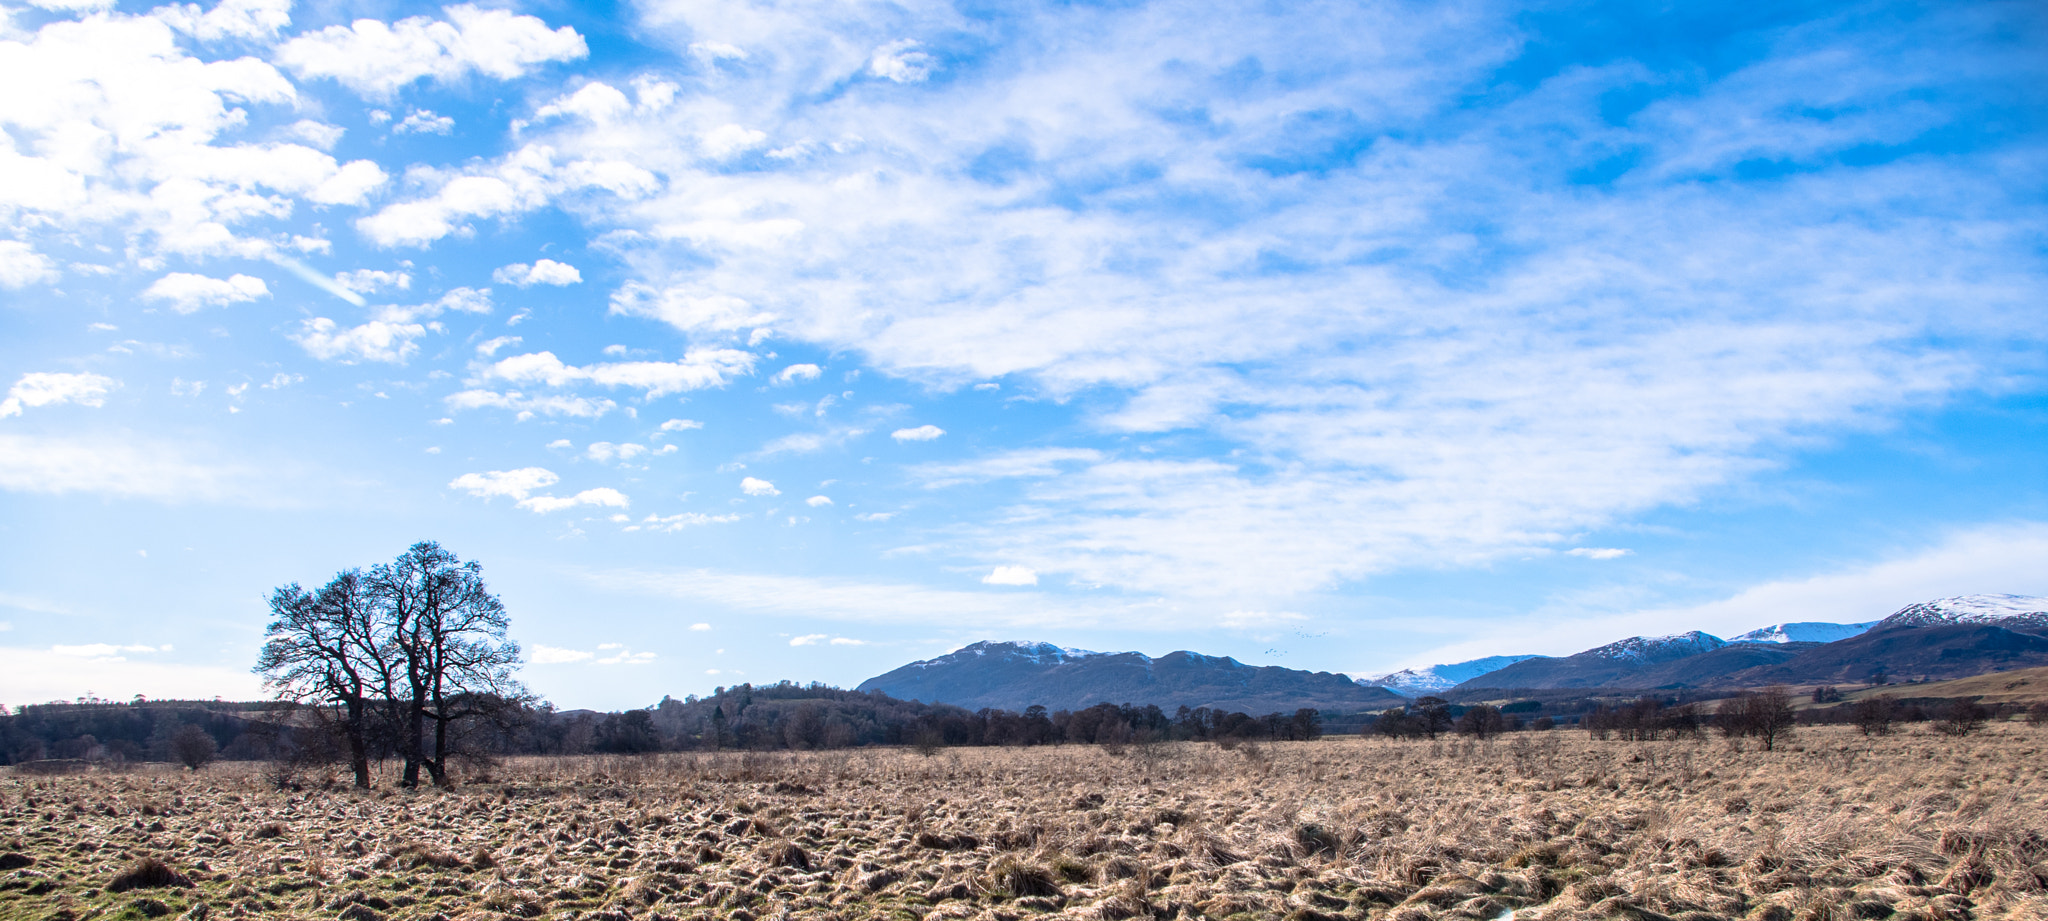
(2020, 686)
(1016, 675)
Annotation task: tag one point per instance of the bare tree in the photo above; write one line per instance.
(193, 747)
(1432, 715)
(1961, 717)
(325, 649)
(1482, 720)
(1875, 714)
(449, 633)
(1766, 715)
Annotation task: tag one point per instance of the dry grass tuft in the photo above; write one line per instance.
(148, 873)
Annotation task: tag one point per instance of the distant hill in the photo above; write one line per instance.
(1016, 675)
(1617, 664)
(1420, 682)
(1930, 641)
(2021, 686)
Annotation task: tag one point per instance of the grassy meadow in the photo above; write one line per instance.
(1533, 826)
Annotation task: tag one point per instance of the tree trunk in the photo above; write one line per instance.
(358, 748)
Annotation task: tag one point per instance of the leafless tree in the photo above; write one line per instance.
(326, 648)
(448, 632)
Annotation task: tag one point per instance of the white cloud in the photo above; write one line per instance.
(227, 19)
(875, 516)
(605, 451)
(376, 59)
(376, 340)
(21, 265)
(758, 487)
(529, 406)
(522, 181)
(602, 496)
(1011, 575)
(490, 347)
(727, 141)
(901, 62)
(624, 656)
(698, 369)
(188, 293)
(894, 603)
(543, 654)
(847, 641)
(541, 272)
(50, 388)
(921, 433)
(461, 300)
(424, 121)
(513, 484)
(811, 639)
(818, 501)
(700, 627)
(1599, 553)
(1028, 462)
(670, 524)
(796, 374)
(122, 467)
(370, 281)
(678, 425)
(688, 309)
(596, 101)
(281, 380)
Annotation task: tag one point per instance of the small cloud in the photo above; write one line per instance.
(921, 433)
(603, 451)
(677, 425)
(1599, 553)
(758, 487)
(988, 386)
(424, 121)
(514, 484)
(188, 293)
(555, 655)
(281, 380)
(542, 272)
(673, 523)
(601, 496)
(434, 450)
(899, 61)
(41, 388)
(370, 281)
(847, 641)
(810, 639)
(875, 516)
(700, 627)
(816, 501)
(1011, 575)
(624, 656)
(490, 347)
(796, 374)
(560, 444)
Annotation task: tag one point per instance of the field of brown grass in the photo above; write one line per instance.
(1536, 826)
(2020, 686)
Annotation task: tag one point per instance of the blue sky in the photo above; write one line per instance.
(749, 341)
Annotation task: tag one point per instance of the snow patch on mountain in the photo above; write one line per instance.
(2011, 611)
(1416, 682)
(1038, 653)
(1803, 632)
(1652, 649)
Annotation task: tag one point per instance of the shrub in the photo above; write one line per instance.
(148, 873)
(1962, 717)
(193, 747)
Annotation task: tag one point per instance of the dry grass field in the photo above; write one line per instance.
(1537, 826)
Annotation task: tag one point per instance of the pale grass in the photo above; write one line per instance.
(1545, 826)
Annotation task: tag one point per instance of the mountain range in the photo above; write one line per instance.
(1943, 639)
(1016, 675)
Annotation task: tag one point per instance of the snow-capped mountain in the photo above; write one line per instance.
(1039, 653)
(1015, 675)
(2014, 612)
(1644, 650)
(1803, 632)
(1418, 682)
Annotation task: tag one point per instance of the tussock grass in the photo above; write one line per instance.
(1548, 826)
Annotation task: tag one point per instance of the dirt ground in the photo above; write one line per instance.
(1533, 827)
